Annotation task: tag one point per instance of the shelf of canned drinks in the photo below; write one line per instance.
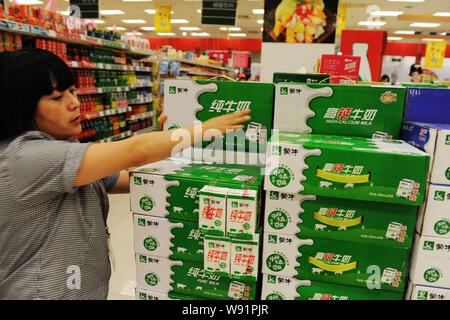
(35, 31)
(133, 102)
(88, 91)
(105, 113)
(141, 116)
(106, 66)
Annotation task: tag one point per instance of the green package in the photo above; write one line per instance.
(390, 171)
(301, 77)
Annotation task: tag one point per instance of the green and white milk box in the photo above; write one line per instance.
(188, 102)
(434, 215)
(417, 292)
(332, 261)
(340, 219)
(189, 279)
(217, 255)
(170, 188)
(344, 110)
(430, 262)
(347, 167)
(242, 213)
(168, 238)
(142, 294)
(244, 262)
(213, 210)
(284, 288)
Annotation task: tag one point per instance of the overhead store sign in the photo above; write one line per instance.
(435, 54)
(89, 9)
(163, 15)
(221, 12)
(300, 21)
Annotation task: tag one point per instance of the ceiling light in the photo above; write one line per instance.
(372, 23)
(199, 11)
(260, 21)
(405, 32)
(432, 39)
(169, 34)
(116, 28)
(230, 29)
(394, 38)
(111, 12)
(379, 13)
(416, 1)
(133, 34)
(237, 34)
(200, 34)
(179, 21)
(148, 28)
(424, 25)
(190, 28)
(442, 14)
(258, 11)
(27, 1)
(443, 33)
(134, 21)
(153, 11)
(184, 34)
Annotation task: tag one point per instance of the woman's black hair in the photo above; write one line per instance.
(25, 77)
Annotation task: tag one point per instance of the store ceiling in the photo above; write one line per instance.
(248, 21)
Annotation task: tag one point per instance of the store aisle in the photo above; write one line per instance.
(120, 222)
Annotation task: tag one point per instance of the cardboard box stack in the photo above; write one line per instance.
(340, 209)
(196, 230)
(427, 127)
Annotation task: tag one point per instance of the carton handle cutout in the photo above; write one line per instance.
(342, 178)
(337, 223)
(222, 76)
(330, 268)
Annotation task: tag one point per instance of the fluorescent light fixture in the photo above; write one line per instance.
(258, 11)
(425, 25)
(260, 21)
(133, 34)
(230, 29)
(442, 14)
(443, 33)
(200, 34)
(190, 28)
(386, 13)
(432, 39)
(148, 28)
(134, 21)
(168, 34)
(27, 1)
(199, 11)
(153, 11)
(137, 0)
(179, 21)
(65, 13)
(237, 34)
(111, 12)
(98, 21)
(394, 38)
(415, 1)
(117, 28)
(372, 23)
(405, 32)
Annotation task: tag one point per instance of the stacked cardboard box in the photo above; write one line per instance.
(426, 110)
(173, 204)
(340, 210)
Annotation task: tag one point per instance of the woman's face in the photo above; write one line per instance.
(59, 114)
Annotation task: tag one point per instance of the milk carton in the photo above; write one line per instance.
(344, 110)
(213, 210)
(340, 262)
(300, 77)
(417, 292)
(217, 255)
(434, 139)
(142, 294)
(284, 288)
(245, 259)
(434, 217)
(189, 279)
(430, 262)
(170, 188)
(188, 102)
(340, 219)
(168, 238)
(242, 213)
(347, 167)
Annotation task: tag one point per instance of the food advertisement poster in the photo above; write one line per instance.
(300, 21)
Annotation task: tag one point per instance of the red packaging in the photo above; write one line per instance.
(341, 68)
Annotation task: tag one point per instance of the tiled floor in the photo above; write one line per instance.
(120, 222)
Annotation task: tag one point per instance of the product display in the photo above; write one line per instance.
(417, 292)
(300, 77)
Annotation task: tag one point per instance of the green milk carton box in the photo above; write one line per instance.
(342, 262)
(188, 102)
(283, 288)
(169, 188)
(189, 279)
(340, 219)
(417, 292)
(142, 294)
(213, 210)
(217, 255)
(168, 238)
(347, 167)
(343, 110)
(242, 213)
(245, 259)
(430, 262)
(434, 215)
(301, 77)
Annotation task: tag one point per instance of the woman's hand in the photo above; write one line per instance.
(161, 120)
(232, 121)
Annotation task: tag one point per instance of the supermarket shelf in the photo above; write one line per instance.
(132, 102)
(106, 113)
(142, 85)
(106, 66)
(206, 74)
(203, 65)
(117, 137)
(90, 91)
(146, 130)
(141, 116)
(34, 31)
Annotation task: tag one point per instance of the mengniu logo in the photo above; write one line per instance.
(284, 91)
(276, 150)
(274, 195)
(137, 181)
(172, 90)
(271, 279)
(141, 222)
(276, 262)
(432, 275)
(439, 196)
(273, 238)
(151, 279)
(151, 244)
(278, 219)
(234, 204)
(142, 296)
(274, 296)
(428, 245)
(146, 203)
(422, 295)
